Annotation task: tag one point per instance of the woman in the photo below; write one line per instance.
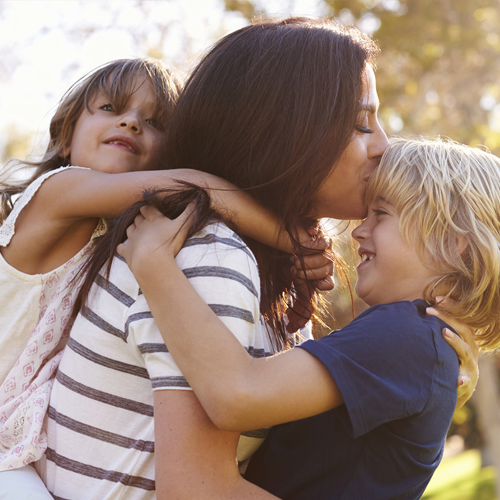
(286, 110)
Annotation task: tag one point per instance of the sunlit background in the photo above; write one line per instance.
(438, 74)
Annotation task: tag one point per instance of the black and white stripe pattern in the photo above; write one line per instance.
(101, 423)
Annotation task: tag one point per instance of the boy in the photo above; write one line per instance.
(372, 403)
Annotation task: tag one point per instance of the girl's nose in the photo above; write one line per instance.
(129, 122)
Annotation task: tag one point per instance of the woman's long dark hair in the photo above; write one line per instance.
(271, 108)
(171, 203)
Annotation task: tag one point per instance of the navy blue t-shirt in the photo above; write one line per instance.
(398, 378)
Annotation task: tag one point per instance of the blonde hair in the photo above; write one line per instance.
(118, 80)
(445, 193)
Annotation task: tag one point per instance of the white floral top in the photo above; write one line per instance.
(34, 315)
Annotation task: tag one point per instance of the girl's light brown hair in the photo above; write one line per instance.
(448, 196)
(118, 80)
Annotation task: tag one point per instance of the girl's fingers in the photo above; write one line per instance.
(149, 212)
(314, 273)
(312, 261)
(318, 244)
(325, 284)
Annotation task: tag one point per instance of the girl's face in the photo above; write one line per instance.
(116, 142)
(342, 195)
(390, 270)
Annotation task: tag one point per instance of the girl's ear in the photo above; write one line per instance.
(65, 152)
(462, 243)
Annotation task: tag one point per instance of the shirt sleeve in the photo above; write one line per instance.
(224, 272)
(383, 364)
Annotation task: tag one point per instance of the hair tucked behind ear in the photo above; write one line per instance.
(171, 203)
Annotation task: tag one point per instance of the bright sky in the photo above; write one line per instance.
(45, 46)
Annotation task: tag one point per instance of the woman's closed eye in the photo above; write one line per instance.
(364, 130)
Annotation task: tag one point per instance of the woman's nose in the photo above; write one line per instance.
(379, 143)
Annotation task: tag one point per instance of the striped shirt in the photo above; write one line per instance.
(100, 420)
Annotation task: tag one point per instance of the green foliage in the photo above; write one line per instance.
(439, 67)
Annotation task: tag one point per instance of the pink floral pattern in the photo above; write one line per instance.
(25, 393)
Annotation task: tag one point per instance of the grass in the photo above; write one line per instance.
(462, 478)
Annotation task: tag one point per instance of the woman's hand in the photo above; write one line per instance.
(152, 235)
(465, 346)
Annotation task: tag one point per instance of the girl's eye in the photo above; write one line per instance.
(107, 107)
(153, 123)
(378, 211)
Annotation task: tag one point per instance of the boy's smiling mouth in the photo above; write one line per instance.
(365, 257)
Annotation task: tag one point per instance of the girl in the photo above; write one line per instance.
(432, 231)
(113, 121)
(286, 109)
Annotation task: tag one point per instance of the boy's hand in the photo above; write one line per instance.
(465, 346)
(152, 235)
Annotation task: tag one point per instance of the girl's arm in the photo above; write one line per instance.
(63, 213)
(78, 194)
(238, 392)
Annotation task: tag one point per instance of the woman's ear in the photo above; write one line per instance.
(462, 243)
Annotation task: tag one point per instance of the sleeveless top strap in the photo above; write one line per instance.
(8, 228)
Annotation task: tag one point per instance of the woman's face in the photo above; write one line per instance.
(342, 195)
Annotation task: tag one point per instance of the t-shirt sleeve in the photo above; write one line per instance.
(383, 364)
(224, 272)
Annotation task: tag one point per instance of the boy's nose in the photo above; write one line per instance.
(360, 232)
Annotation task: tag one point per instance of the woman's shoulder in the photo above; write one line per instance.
(220, 239)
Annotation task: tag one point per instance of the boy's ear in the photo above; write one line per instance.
(462, 243)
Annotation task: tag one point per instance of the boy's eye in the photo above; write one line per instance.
(107, 107)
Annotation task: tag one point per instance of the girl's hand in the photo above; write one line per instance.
(318, 264)
(465, 346)
(152, 235)
(318, 270)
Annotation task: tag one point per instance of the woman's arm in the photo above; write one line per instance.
(193, 458)
(237, 391)
(466, 348)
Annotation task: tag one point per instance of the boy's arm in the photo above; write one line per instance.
(238, 392)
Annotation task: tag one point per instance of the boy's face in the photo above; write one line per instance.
(113, 142)
(390, 269)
